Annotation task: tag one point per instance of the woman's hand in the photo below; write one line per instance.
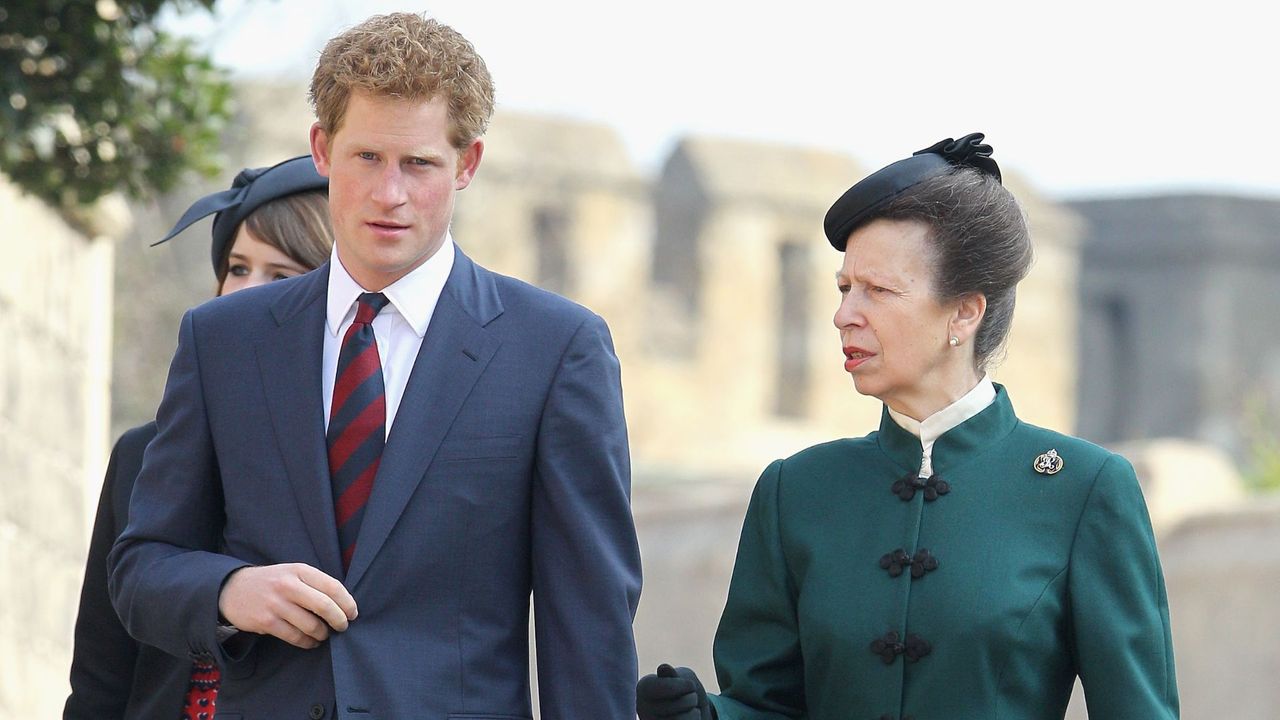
(672, 694)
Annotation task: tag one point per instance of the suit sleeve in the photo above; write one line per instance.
(757, 645)
(1119, 611)
(585, 556)
(104, 656)
(166, 572)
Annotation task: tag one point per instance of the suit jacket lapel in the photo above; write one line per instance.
(454, 353)
(290, 361)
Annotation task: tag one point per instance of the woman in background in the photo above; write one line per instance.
(958, 564)
(273, 223)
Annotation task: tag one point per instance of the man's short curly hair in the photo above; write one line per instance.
(404, 56)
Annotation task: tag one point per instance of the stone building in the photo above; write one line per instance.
(1179, 296)
(55, 321)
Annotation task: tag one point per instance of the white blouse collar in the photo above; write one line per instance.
(937, 424)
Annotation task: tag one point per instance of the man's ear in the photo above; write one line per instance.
(468, 163)
(320, 149)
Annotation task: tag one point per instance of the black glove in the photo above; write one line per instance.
(672, 694)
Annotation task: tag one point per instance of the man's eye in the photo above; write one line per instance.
(368, 156)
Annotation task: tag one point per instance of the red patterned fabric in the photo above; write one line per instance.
(202, 693)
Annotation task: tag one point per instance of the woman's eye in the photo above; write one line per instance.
(281, 276)
(238, 270)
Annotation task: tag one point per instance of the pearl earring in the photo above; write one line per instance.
(955, 341)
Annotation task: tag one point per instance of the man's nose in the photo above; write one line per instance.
(390, 190)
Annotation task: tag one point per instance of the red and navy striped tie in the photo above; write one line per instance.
(357, 423)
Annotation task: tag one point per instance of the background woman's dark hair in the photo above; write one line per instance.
(297, 225)
(980, 243)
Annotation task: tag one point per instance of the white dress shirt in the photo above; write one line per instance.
(937, 424)
(398, 329)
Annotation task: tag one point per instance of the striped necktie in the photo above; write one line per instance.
(357, 423)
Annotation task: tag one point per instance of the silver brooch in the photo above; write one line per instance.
(1048, 463)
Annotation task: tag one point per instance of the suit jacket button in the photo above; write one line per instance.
(316, 712)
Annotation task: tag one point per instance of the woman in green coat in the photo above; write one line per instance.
(958, 564)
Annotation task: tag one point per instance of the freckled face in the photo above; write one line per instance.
(253, 262)
(892, 328)
(393, 175)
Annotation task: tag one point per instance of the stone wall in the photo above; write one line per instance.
(55, 321)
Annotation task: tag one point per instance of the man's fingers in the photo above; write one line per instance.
(287, 632)
(321, 606)
(335, 590)
(306, 622)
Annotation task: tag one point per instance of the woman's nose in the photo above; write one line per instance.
(847, 313)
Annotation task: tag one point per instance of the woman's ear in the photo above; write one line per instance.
(967, 317)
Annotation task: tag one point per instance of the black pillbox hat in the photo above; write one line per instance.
(859, 202)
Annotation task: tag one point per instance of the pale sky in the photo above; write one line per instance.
(1083, 98)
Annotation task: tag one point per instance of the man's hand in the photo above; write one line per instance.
(294, 602)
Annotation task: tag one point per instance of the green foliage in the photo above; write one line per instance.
(95, 98)
(1262, 433)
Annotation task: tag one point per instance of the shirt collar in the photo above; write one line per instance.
(414, 296)
(937, 424)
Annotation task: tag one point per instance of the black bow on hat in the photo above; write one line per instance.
(251, 189)
(881, 186)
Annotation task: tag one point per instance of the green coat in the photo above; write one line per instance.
(1038, 577)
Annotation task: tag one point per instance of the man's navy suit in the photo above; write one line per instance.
(506, 471)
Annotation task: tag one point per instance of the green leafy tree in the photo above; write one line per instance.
(1262, 471)
(95, 98)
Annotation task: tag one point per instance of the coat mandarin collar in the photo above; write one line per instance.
(958, 444)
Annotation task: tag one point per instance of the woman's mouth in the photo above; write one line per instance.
(855, 356)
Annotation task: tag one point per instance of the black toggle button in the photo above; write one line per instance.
(898, 560)
(895, 561)
(888, 647)
(932, 487)
(916, 647)
(923, 563)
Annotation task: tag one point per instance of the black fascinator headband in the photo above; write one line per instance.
(251, 189)
(881, 186)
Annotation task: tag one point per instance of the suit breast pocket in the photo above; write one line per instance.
(463, 449)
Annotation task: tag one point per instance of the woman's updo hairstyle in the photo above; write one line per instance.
(980, 244)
